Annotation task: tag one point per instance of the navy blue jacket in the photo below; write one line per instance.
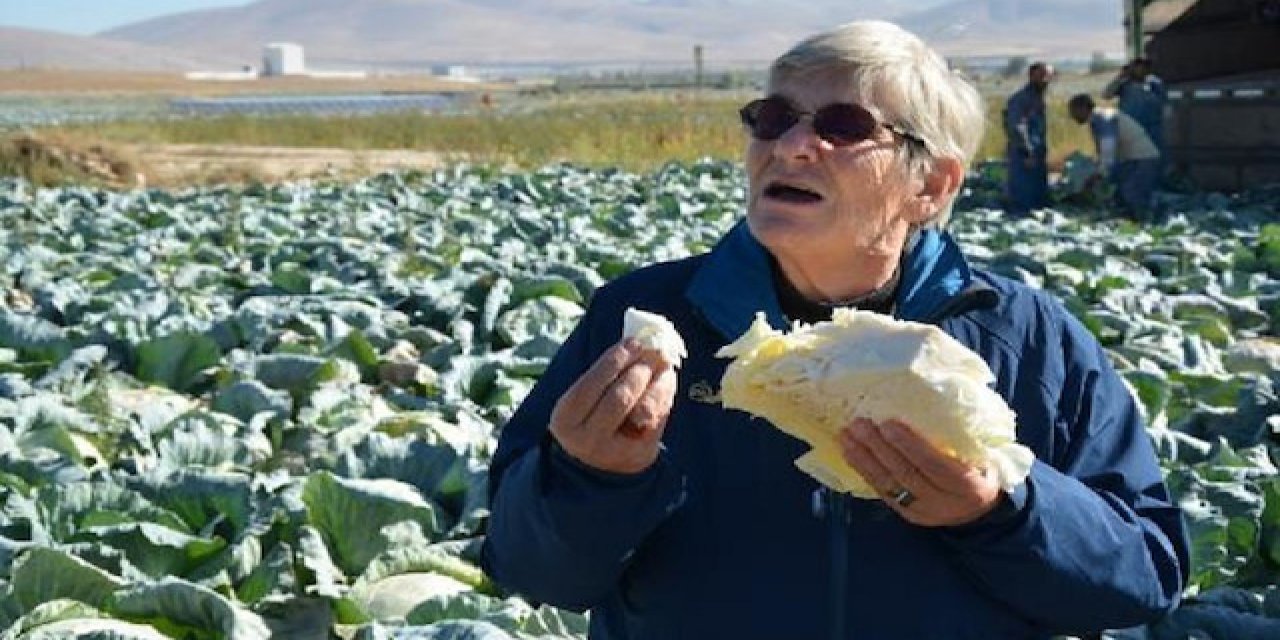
(723, 537)
(1027, 106)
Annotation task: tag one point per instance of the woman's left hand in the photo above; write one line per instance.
(925, 486)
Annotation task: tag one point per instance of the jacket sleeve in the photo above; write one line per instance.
(562, 532)
(1092, 540)
(1016, 122)
(1112, 90)
(1106, 140)
(1156, 87)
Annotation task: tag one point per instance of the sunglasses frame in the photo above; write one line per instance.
(749, 116)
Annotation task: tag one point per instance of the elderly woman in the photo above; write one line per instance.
(624, 488)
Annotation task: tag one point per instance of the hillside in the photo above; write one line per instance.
(418, 32)
(30, 48)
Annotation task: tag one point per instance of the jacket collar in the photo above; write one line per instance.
(735, 281)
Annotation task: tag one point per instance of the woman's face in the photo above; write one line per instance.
(818, 206)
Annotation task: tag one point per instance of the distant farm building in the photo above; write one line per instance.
(283, 59)
(279, 59)
(451, 72)
(247, 72)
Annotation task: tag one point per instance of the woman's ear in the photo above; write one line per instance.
(940, 183)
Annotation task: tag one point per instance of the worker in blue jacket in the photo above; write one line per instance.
(1026, 128)
(623, 487)
(1141, 95)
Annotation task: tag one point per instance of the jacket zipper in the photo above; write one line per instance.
(975, 296)
(834, 509)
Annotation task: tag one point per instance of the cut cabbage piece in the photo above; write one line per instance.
(816, 380)
(653, 331)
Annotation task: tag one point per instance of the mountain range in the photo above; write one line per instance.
(28, 48)
(417, 33)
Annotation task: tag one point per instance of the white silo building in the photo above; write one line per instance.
(283, 59)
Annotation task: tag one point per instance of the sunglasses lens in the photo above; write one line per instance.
(840, 124)
(768, 118)
(844, 124)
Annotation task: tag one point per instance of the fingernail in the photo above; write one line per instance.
(632, 431)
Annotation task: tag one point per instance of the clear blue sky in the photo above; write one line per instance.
(91, 16)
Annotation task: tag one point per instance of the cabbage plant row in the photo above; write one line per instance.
(268, 410)
(18, 113)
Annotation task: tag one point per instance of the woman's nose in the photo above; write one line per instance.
(800, 142)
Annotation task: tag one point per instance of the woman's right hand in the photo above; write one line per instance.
(613, 417)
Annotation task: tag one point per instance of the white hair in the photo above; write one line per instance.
(897, 77)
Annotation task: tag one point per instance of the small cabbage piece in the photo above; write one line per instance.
(813, 382)
(654, 332)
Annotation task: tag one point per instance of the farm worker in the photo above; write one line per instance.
(1027, 148)
(1126, 154)
(622, 486)
(1142, 96)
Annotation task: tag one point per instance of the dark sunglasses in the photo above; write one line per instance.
(840, 123)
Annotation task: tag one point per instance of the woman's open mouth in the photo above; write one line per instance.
(791, 193)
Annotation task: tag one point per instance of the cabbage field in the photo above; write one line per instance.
(240, 412)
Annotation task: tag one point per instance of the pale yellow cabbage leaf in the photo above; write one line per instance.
(816, 380)
(653, 331)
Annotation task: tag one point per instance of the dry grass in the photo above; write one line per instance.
(53, 158)
(637, 132)
(172, 165)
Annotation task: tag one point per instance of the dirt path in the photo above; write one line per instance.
(178, 164)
